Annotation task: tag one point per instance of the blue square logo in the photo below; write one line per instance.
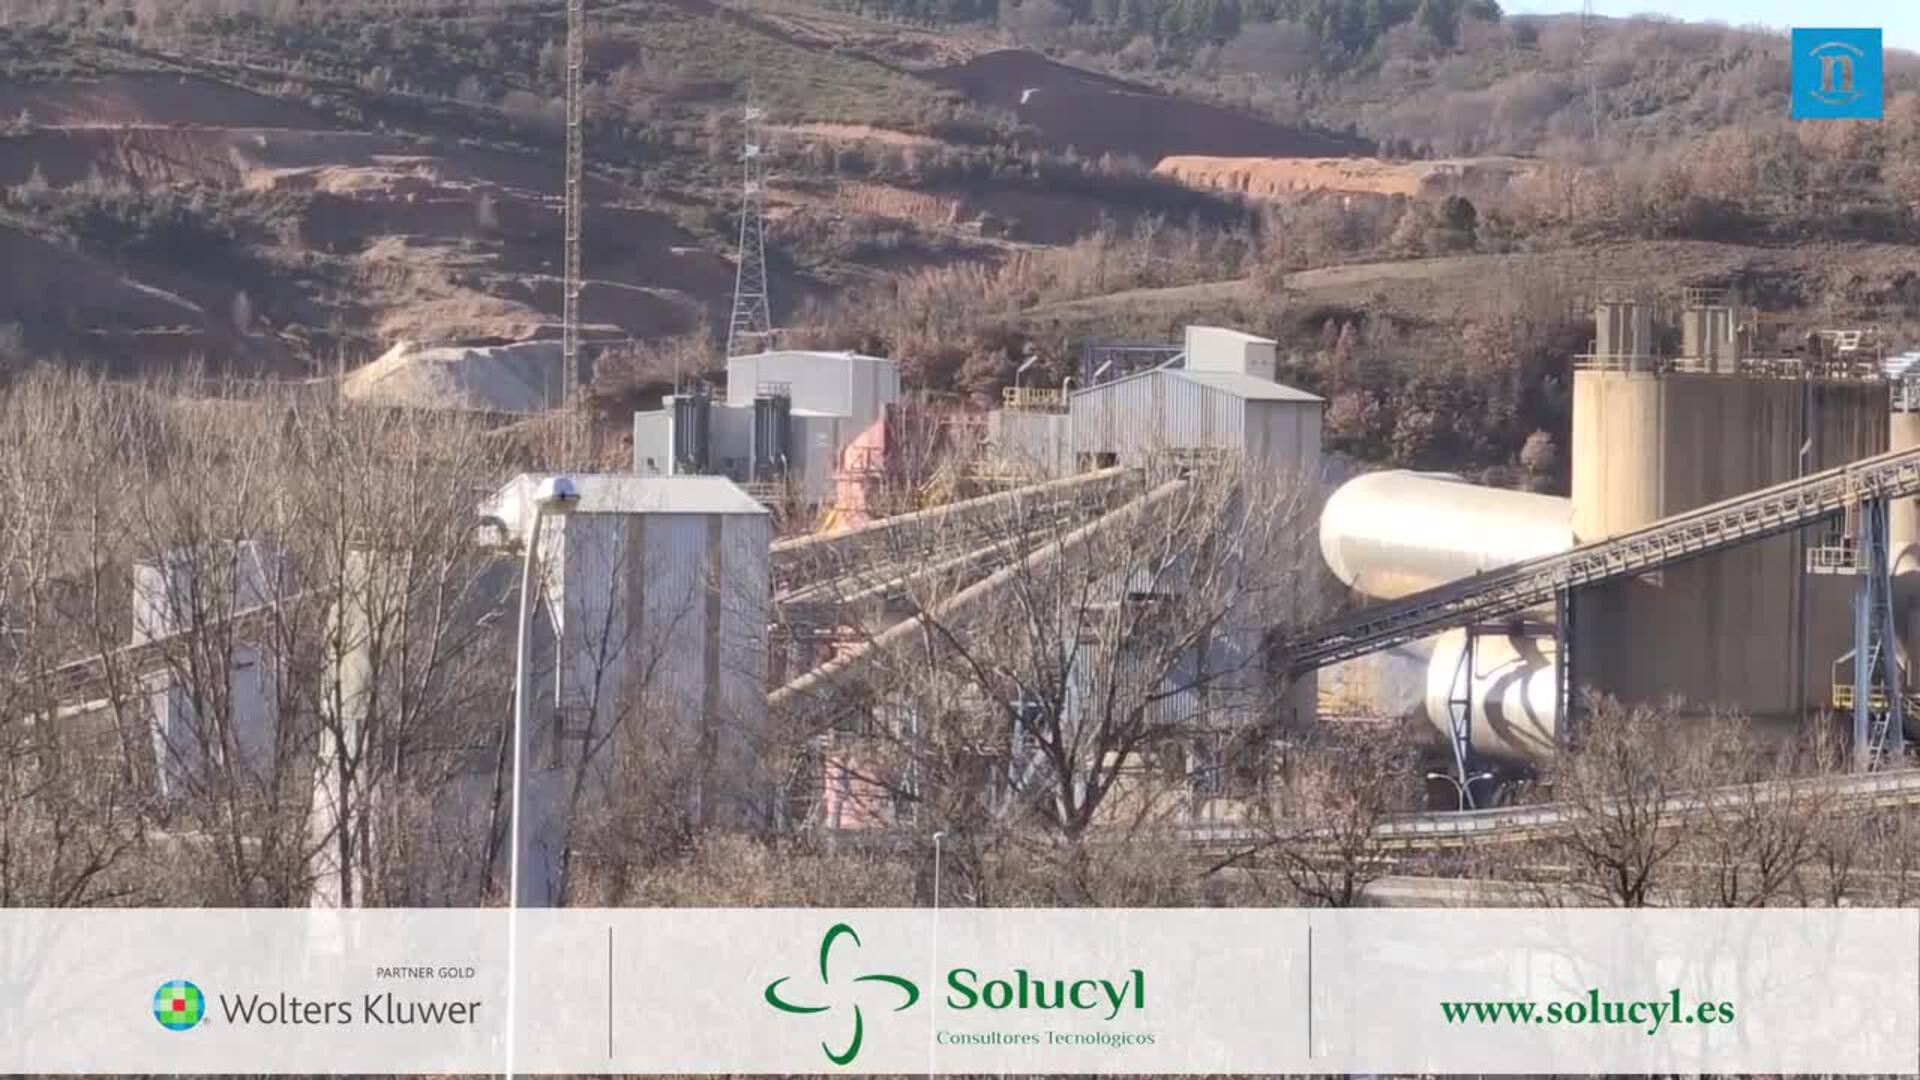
(1836, 74)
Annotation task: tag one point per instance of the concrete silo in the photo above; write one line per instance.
(653, 647)
(1747, 628)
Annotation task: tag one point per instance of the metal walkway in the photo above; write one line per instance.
(1507, 592)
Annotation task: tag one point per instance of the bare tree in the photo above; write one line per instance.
(1321, 828)
(1049, 666)
(1623, 829)
(1758, 827)
(245, 631)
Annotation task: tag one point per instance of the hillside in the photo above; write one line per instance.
(1097, 114)
(1408, 193)
(302, 188)
(1416, 77)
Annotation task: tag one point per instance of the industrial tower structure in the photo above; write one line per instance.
(1587, 33)
(750, 329)
(571, 369)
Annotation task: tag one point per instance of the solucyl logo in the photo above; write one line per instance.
(852, 1049)
(179, 1005)
(1101, 1000)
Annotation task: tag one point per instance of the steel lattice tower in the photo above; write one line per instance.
(751, 327)
(1587, 32)
(571, 371)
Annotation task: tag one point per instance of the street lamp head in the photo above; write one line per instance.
(556, 495)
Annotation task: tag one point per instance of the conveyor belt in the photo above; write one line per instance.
(924, 536)
(93, 676)
(1511, 590)
(1856, 792)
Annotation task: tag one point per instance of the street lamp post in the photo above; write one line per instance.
(1019, 371)
(1460, 786)
(555, 495)
(1066, 399)
(937, 837)
(934, 972)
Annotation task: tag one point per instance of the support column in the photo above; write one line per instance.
(1460, 716)
(1879, 723)
(1862, 673)
(1566, 689)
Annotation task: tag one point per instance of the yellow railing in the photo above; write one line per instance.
(1034, 398)
(1876, 699)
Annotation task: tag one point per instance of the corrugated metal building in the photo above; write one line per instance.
(836, 383)
(1223, 399)
(170, 593)
(814, 454)
(1033, 442)
(787, 413)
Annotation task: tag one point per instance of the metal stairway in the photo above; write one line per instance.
(1879, 750)
(1511, 590)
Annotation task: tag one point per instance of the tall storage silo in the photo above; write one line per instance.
(1747, 628)
(657, 592)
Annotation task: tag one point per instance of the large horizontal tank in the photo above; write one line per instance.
(1389, 534)
(1515, 691)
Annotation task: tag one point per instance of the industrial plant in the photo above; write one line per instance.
(1740, 536)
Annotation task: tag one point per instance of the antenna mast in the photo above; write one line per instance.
(1586, 65)
(751, 327)
(570, 365)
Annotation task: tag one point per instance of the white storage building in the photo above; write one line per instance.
(1224, 398)
(786, 415)
(657, 595)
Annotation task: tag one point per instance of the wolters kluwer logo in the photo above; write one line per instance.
(179, 1005)
(833, 936)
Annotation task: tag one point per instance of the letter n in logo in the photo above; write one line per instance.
(1836, 74)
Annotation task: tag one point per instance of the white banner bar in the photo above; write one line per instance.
(960, 991)
(1590, 991)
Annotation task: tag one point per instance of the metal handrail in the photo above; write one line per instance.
(1453, 828)
(1035, 398)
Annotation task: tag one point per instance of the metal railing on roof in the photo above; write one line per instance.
(1842, 368)
(1035, 398)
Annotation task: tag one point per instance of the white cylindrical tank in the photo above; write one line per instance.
(1389, 534)
(1513, 686)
